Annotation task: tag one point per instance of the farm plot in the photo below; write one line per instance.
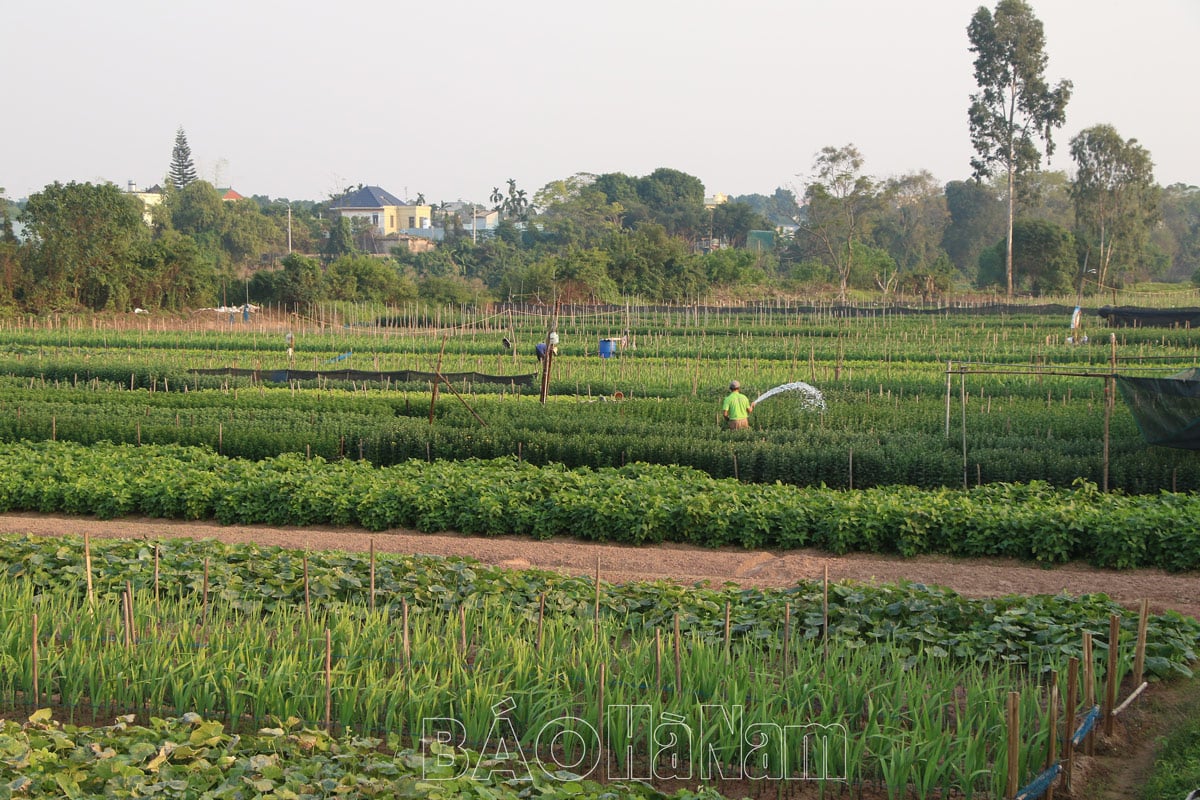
(886, 686)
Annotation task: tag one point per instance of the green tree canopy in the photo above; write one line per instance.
(977, 217)
(1116, 199)
(1044, 258)
(87, 240)
(1014, 107)
(841, 201)
(912, 221)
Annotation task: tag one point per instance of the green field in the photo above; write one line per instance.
(966, 431)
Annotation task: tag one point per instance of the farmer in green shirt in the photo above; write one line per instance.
(737, 407)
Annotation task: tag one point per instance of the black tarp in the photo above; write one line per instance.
(1166, 410)
(1134, 317)
(365, 376)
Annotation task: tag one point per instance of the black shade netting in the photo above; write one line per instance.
(1166, 410)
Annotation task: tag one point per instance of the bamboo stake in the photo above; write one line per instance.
(1139, 658)
(372, 573)
(87, 567)
(307, 596)
(1014, 743)
(727, 632)
(1110, 677)
(204, 596)
(404, 636)
(1089, 688)
(600, 707)
(825, 614)
(129, 614)
(787, 625)
(596, 608)
(462, 630)
(541, 619)
(328, 682)
(658, 653)
(125, 620)
(678, 661)
(34, 656)
(1052, 750)
(437, 371)
(1069, 742)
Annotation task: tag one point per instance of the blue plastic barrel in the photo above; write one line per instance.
(607, 347)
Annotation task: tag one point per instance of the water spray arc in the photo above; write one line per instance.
(812, 397)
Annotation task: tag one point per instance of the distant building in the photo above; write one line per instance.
(389, 215)
(150, 198)
(229, 195)
(717, 199)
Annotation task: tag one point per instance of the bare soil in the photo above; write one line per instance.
(1119, 767)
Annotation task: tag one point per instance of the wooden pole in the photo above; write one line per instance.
(328, 682)
(1072, 700)
(1110, 677)
(462, 630)
(658, 653)
(1014, 743)
(204, 596)
(1110, 389)
(962, 395)
(1052, 750)
(87, 567)
(407, 642)
(825, 614)
(307, 596)
(1089, 688)
(600, 707)
(727, 632)
(541, 619)
(437, 371)
(129, 614)
(549, 358)
(787, 624)
(678, 662)
(949, 367)
(34, 657)
(1139, 658)
(596, 605)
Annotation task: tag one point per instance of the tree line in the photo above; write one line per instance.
(600, 238)
(1009, 226)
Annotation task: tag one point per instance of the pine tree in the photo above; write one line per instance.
(183, 171)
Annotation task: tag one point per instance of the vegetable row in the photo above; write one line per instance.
(637, 503)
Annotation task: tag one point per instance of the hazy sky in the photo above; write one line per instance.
(300, 99)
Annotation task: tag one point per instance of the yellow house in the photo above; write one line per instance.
(389, 215)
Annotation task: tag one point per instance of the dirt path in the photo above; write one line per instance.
(682, 563)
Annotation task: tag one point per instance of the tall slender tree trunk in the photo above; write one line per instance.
(1008, 249)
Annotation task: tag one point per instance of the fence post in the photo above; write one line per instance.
(1139, 659)
(1072, 698)
(1052, 749)
(1110, 677)
(1014, 744)
(1089, 687)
